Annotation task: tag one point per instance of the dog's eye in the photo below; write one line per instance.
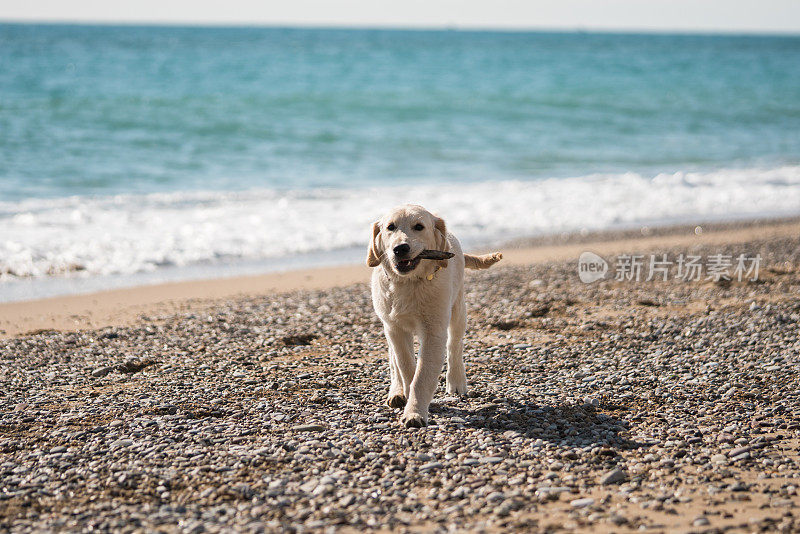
(418, 227)
(391, 227)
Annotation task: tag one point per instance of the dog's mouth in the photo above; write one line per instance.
(406, 266)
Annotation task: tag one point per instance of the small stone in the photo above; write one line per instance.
(308, 428)
(322, 489)
(491, 460)
(496, 496)
(582, 503)
(738, 486)
(617, 519)
(615, 476)
(552, 490)
(738, 451)
(503, 510)
(701, 521)
(309, 486)
(430, 466)
(102, 371)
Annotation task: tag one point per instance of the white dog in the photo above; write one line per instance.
(423, 297)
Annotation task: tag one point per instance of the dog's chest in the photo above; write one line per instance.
(403, 304)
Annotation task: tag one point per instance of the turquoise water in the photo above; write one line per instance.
(128, 149)
(107, 110)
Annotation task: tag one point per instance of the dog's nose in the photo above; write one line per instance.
(401, 250)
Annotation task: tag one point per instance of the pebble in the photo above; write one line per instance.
(617, 519)
(738, 451)
(430, 466)
(308, 428)
(615, 476)
(582, 503)
(102, 371)
(660, 409)
(496, 496)
(121, 443)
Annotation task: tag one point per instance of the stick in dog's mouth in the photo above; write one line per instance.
(406, 266)
(435, 255)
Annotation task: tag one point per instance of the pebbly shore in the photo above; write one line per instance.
(612, 406)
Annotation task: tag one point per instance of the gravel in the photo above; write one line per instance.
(268, 414)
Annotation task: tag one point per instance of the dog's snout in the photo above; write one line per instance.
(401, 250)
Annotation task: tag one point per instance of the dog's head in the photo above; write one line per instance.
(401, 235)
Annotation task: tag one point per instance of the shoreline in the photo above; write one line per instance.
(668, 406)
(127, 306)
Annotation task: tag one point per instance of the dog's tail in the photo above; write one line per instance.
(482, 262)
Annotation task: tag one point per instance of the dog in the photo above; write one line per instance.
(414, 296)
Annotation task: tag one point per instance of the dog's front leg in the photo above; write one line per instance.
(426, 377)
(401, 364)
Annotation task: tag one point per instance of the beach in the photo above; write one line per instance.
(187, 338)
(124, 306)
(258, 403)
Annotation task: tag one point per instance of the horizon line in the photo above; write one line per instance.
(402, 27)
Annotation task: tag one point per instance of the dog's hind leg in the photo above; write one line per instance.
(401, 365)
(456, 374)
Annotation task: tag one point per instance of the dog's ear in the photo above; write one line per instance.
(374, 252)
(440, 230)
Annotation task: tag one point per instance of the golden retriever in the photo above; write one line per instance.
(414, 296)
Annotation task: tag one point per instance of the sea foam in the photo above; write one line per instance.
(126, 234)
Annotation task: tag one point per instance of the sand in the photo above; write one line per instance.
(127, 306)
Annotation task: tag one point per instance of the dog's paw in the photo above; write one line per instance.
(414, 420)
(396, 401)
(457, 387)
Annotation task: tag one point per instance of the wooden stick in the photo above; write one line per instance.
(435, 255)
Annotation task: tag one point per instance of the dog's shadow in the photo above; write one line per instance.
(566, 425)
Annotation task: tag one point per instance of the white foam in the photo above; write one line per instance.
(131, 234)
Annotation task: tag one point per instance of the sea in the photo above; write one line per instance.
(141, 154)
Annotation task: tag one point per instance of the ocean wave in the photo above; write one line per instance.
(126, 234)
